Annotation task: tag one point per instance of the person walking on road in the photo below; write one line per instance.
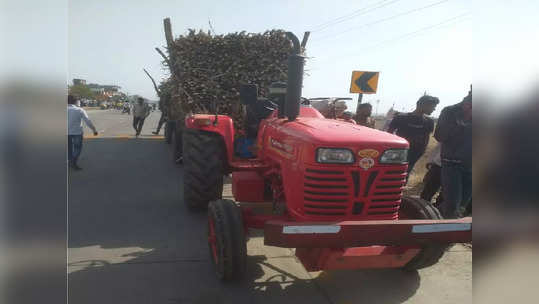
(416, 128)
(454, 131)
(126, 108)
(141, 110)
(162, 120)
(75, 117)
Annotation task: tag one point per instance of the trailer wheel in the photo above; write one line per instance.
(417, 208)
(203, 168)
(226, 240)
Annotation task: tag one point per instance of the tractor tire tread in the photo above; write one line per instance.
(231, 238)
(430, 254)
(203, 168)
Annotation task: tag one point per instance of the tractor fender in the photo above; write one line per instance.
(224, 127)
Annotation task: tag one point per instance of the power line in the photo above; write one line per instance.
(315, 28)
(382, 20)
(408, 35)
(411, 34)
(354, 14)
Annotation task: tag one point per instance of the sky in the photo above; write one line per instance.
(417, 45)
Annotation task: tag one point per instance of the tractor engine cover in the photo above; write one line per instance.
(247, 186)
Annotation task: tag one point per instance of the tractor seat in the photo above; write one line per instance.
(257, 111)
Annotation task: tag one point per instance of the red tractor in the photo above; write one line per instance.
(335, 188)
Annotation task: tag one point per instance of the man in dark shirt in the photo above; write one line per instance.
(363, 117)
(416, 127)
(454, 131)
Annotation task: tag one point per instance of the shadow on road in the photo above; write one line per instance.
(131, 240)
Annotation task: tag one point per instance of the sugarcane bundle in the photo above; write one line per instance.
(207, 70)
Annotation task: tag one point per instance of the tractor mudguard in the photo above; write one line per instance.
(222, 125)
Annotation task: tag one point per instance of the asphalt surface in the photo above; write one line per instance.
(132, 240)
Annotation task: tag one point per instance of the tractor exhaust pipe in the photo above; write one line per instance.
(296, 62)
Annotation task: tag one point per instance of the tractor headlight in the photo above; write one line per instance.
(394, 156)
(336, 156)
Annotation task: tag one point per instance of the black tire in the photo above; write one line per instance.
(203, 164)
(230, 259)
(417, 208)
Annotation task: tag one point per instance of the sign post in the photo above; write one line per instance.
(363, 82)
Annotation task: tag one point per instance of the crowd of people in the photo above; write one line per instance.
(449, 165)
(76, 116)
(449, 168)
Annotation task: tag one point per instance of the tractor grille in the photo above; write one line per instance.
(353, 193)
(385, 194)
(326, 192)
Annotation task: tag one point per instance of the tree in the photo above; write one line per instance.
(81, 91)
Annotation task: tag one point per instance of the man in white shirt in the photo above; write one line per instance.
(75, 117)
(141, 110)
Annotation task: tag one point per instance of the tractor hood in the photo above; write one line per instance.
(334, 133)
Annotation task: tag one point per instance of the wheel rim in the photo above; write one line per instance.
(212, 240)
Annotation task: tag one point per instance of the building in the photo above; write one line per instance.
(107, 90)
(77, 81)
(111, 90)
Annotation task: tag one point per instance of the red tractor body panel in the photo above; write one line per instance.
(316, 259)
(248, 186)
(224, 127)
(332, 191)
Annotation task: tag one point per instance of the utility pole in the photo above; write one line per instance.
(377, 103)
(359, 99)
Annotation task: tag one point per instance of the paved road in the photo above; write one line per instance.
(131, 240)
(112, 123)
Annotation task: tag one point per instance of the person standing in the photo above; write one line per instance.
(347, 117)
(389, 117)
(454, 131)
(416, 128)
(162, 119)
(75, 117)
(363, 117)
(432, 180)
(141, 110)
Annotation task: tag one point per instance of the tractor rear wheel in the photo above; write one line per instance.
(226, 240)
(203, 165)
(417, 208)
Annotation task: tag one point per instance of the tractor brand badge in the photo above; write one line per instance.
(281, 146)
(366, 163)
(283, 149)
(370, 153)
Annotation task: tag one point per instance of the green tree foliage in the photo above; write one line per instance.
(81, 91)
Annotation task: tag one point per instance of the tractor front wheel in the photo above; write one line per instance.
(417, 208)
(226, 240)
(203, 163)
